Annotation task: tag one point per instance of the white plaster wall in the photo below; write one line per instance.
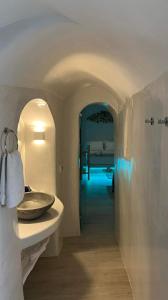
(113, 42)
(72, 108)
(142, 206)
(40, 162)
(13, 100)
(21, 138)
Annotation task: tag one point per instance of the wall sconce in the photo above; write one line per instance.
(39, 133)
(39, 137)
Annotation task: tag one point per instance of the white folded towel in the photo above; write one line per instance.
(3, 170)
(12, 180)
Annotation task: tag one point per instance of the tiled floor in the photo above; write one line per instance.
(90, 266)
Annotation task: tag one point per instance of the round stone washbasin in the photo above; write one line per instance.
(34, 205)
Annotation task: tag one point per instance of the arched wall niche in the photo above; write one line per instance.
(36, 132)
(13, 101)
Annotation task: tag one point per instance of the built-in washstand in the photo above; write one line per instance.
(33, 231)
(35, 234)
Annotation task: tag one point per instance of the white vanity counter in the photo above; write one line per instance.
(33, 232)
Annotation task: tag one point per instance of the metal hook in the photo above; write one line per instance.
(150, 121)
(163, 121)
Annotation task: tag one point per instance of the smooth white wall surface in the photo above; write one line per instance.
(72, 109)
(40, 162)
(21, 145)
(142, 206)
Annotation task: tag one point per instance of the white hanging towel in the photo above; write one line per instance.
(3, 171)
(12, 175)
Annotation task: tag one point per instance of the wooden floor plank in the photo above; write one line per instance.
(94, 271)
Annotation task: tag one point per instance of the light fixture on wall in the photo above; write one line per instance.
(39, 133)
(39, 137)
(39, 126)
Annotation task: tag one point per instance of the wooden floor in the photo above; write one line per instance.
(89, 267)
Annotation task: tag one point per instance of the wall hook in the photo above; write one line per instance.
(163, 121)
(150, 121)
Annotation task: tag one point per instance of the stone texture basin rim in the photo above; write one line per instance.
(34, 205)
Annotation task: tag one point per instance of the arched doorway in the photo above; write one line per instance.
(36, 132)
(97, 153)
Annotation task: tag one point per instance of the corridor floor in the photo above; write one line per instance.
(90, 266)
(97, 201)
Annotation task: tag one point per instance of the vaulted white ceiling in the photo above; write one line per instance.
(62, 44)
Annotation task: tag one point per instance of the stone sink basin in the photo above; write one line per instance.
(34, 205)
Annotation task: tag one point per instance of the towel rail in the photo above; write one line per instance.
(4, 137)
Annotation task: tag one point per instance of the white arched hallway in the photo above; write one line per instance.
(72, 54)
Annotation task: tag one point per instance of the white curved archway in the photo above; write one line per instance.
(36, 132)
(74, 106)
